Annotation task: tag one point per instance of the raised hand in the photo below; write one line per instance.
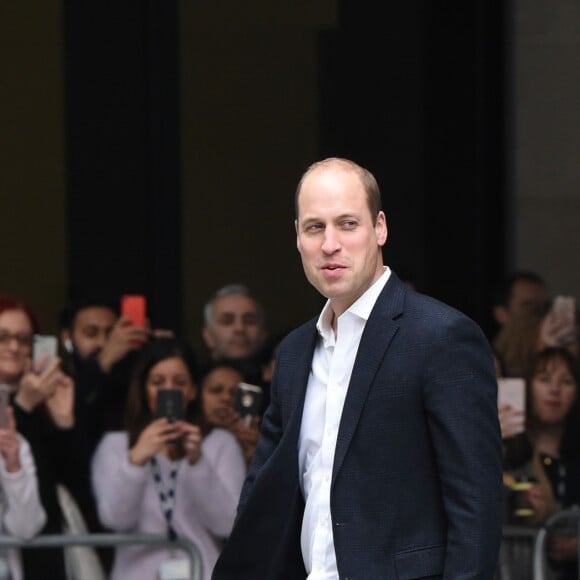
(541, 500)
(191, 438)
(61, 403)
(10, 444)
(247, 432)
(511, 421)
(153, 439)
(36, 388)
(556, 330)
(124, 338)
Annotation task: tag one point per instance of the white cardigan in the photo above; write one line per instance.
(206, 498)
(21, 513)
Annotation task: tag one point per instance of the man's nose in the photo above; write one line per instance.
(101, 340)
(239, 325)
(331, 242)
(228, 397)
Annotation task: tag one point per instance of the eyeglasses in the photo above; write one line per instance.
(22, 338)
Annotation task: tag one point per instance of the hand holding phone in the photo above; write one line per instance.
(44, 351)
(170, 404)
(511, 401)
(134, 306)
(248, 400)
(564, 307)
(559, 325)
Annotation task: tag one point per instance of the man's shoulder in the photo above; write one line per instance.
(422, 304)
(301, 332)
(428, 315)
(297, 340)
(426, 302)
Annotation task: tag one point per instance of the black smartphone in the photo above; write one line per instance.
(248, 400)
(170, 404)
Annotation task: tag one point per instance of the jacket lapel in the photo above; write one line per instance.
(377, 336)
(298, 372)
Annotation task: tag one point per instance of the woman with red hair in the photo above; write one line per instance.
(43, 403)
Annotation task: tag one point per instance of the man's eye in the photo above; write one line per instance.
(349, 224)
(314, 228)
(250, 319)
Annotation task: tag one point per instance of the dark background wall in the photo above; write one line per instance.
(32, 149)
(188, 125)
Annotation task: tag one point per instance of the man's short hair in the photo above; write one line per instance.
(367, 179)
(230, 290)
(75, 305)
(503, 291)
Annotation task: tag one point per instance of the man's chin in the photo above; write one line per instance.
(238, 352)
(91, 356)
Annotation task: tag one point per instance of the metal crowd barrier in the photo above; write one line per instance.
(515, 559)
(536, 538)
(540, 564)
(99, 540)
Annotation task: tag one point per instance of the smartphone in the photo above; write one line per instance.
(512, 391)
(135, 307)
(44, 351)
(4, 402)
(248, 400)
(564, 307)
(170, 404)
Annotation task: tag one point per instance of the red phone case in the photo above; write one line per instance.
(134, 306)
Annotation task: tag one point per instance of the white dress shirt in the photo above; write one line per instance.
(328, 382)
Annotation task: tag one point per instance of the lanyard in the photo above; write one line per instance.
(166, 496)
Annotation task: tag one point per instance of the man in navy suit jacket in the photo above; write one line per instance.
(380, 452)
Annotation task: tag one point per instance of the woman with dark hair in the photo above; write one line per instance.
(219, 386)
(553, 421)
(552, 428)
(160, 475)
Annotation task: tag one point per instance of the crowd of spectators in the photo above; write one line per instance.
(537, 343)
(88, 421)
(92, 421)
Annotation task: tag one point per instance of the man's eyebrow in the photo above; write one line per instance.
(314, 219)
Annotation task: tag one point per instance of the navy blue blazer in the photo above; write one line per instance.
(417, 479)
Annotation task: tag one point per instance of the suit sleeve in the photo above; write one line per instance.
(460, 397)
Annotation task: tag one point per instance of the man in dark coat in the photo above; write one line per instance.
(380, 453)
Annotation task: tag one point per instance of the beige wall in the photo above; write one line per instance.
(250, 126)
(32, 233)
(546, 141)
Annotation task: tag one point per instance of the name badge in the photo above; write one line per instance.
(175, 569)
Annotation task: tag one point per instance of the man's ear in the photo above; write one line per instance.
(208, 338)
(66, 340)
(500, 314)
(381, 228)
(297, 236)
